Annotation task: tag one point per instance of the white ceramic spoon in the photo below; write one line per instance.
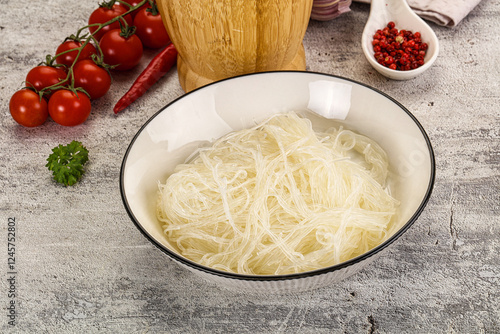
(398, 11)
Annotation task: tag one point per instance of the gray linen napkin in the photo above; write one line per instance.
(443, 12)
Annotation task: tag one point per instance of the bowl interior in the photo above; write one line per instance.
(199, 117)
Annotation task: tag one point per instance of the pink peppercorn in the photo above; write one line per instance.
(398, 50)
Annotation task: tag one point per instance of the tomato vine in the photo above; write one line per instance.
(83, 34)
(84, 61)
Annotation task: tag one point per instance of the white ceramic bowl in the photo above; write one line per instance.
(381, 13)
(205, 114)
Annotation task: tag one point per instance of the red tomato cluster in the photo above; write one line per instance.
(64, 87)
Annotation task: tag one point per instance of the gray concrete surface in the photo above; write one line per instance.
(82, 266)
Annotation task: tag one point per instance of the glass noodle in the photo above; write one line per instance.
(279, 198)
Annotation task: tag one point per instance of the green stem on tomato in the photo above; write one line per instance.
(107, 4)
(153, 9)
(126, 29)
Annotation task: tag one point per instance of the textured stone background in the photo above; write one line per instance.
(84, 268)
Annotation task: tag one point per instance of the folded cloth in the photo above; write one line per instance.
(324, 10)
(443, 12)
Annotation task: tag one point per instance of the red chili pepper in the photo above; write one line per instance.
(156, 69)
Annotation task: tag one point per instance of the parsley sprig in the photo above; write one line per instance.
(66, 162)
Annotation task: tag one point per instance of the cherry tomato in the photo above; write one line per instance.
(69, 109)
(94, 79)
(126, 52)
(68, 58)
(28, 109)
(103, 14)
(134, 3)
(44, 76)
(150, 28)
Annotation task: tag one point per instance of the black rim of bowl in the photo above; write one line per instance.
(311, 273)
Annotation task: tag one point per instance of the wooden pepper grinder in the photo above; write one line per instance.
(217, 39)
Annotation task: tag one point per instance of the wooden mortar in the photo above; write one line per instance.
(217, 39)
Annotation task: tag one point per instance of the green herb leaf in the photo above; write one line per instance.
(66, 162)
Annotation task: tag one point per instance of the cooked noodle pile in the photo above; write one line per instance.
(279, 198)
